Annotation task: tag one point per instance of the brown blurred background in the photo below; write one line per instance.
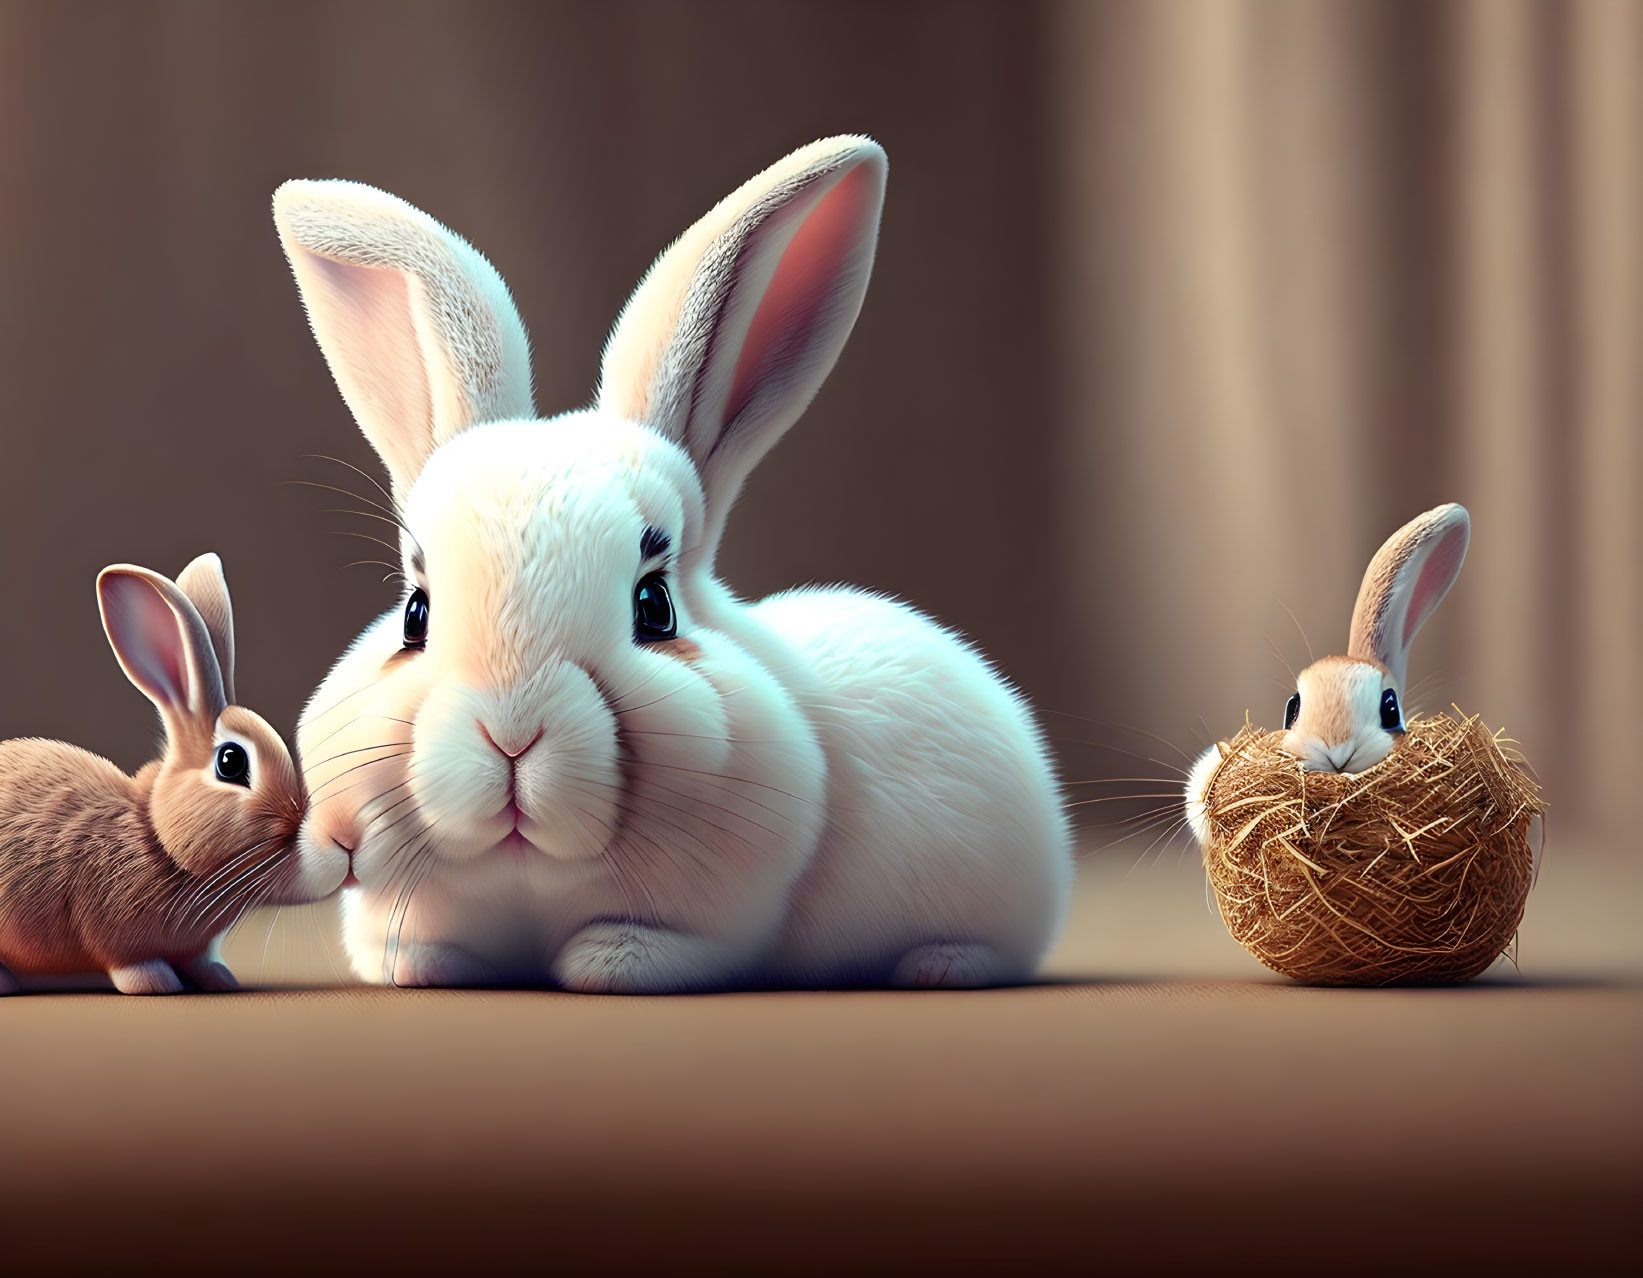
(1179, 310)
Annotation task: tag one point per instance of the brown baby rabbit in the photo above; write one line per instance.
(139, 876)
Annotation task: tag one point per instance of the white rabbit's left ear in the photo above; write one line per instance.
(733, 330)
(418, 328)
(1406, 581)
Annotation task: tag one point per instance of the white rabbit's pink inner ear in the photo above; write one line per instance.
(364, 321)
(1438, 569)
(816, 278)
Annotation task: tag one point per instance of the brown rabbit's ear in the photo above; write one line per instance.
(732, 331)
(207, 589)
(161, 643)
(1406, 581)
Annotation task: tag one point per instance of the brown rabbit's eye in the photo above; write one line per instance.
(416, 618)
(233, 764)
(1292, 711)
(1391, 715)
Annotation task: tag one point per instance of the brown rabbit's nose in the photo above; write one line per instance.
(510, 747)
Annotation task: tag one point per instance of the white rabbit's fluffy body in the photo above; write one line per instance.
(570, 754)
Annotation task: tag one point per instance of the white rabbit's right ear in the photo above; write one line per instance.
(1406, 581)
(161, 643)
(207, 589)
(732, 331)
(418, 328)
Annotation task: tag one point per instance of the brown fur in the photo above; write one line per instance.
(86, 882)
(103, 871)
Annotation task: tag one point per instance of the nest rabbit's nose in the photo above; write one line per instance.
(509, 745)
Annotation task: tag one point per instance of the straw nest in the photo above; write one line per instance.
(1413, 871)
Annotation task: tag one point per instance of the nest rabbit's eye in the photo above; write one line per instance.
(416, 619)
(233, 764)
(1292, 710)
(653, 617)
(1391, 715)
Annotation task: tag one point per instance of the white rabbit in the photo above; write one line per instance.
(1347, 712)
(570, 754)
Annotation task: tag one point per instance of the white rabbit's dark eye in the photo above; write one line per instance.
(1391, 715)
(653, 617)
(416, 618)
(233, 764)
(1292, 711)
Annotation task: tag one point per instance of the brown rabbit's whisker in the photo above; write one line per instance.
(225, 892)
(213, 917)
(1282, 660)
(1162, 842)
(1126, 781)
(1309, 657)
(262, 963)
(1122, 798)
(193, 891)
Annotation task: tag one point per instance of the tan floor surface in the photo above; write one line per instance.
(1162, 1104)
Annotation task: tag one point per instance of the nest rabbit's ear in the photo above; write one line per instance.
(1406, 581)
(161, 643)
(207, 589)
(732, 331)
(418, 328)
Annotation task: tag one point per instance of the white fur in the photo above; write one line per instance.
(1197, 793)
(821, 788)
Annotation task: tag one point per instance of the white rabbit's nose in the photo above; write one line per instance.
(510, 745)
(1339, 756)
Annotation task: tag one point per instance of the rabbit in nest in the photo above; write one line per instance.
(140, 876)
(1347, 712)
(569, 754)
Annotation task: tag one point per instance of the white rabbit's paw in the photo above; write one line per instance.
(153, 977)
(635, 958)
(430, 964)
(945, 966)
